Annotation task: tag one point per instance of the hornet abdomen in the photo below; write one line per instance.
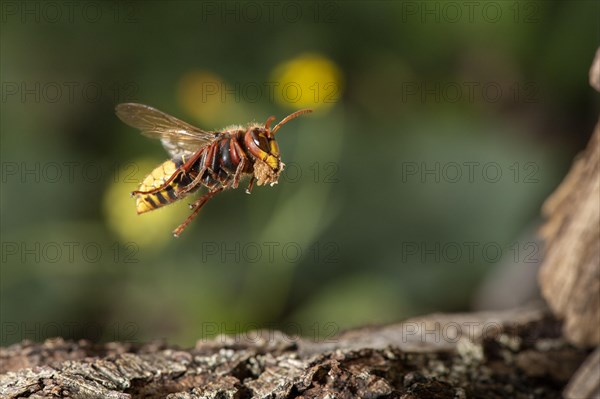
(157, 179)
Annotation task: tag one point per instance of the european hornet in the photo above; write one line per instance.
(216, 160)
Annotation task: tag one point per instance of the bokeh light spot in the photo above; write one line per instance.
(201, 94)
(308, 81)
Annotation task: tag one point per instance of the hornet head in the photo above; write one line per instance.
(260, 142)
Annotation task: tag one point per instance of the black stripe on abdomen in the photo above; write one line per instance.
(148, 199)
(171, 193)
(161, 198)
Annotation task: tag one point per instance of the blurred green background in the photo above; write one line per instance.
(439, 129)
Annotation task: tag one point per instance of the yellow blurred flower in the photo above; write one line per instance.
(152, 229)
(206, 96)
(308, 81)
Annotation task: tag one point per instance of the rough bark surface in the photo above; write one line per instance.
(570, 274)
(511, 354)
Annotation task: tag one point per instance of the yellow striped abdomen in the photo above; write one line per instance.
(156, 179)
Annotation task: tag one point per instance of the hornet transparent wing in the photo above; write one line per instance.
(178, 137)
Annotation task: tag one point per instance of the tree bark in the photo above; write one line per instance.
(570, 274)
(510, 354)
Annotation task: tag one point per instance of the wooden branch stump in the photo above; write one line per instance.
(570, 274)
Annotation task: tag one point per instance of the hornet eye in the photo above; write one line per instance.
(261, 141)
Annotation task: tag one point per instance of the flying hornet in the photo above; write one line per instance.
(217, 160)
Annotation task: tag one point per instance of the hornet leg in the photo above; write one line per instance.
(206, 166)
(182, 169)
(161, 187)
(194, 183)
(196, 206)
(240, 168)
(250, 185)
